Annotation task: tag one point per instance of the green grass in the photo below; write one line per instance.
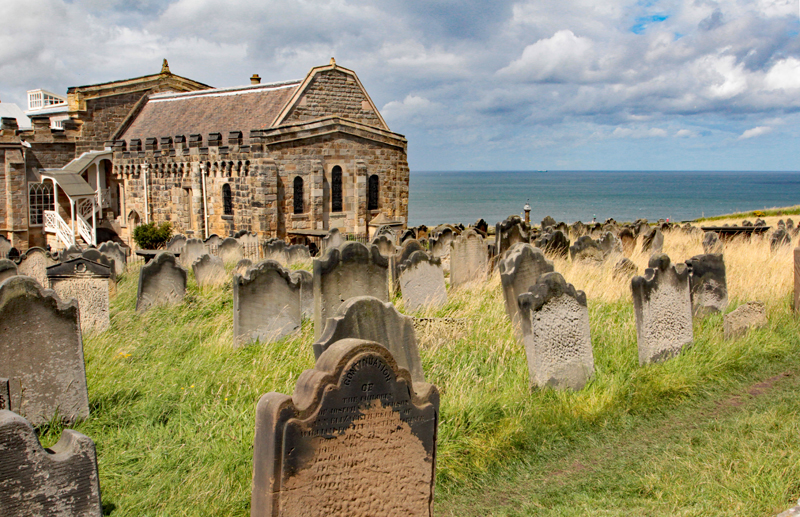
(767, 212)
(173, 405)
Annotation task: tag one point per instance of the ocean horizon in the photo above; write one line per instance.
(437, 197)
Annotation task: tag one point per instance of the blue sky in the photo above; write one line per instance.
(475, 85)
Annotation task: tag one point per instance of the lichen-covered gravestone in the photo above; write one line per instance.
(297, 253)
(60, 481)
(653, 241)
(89, 283)
(266, 304)
(385, 245)
(176, 243)
(422, 282)
(161, 281)
(663, 308)
(346, 272)
(34, 263)
(192, 250)
(357, 439)
(512, 230)
(306, 280)
(209, 271)
(275, 249)
(586, 249)
(41, 352)
(519, 269)
(7, 269)
(468, 259)
(231, 251)
(708, 284)
(368, 318)
(746, 316)
(555, 329)
(403, 254)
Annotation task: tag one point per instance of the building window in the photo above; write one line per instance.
(40, 198)
(372, 194)
(227, 199)
(336, 189)
(298, 195)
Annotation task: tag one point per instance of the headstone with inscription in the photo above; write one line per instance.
(61, 480)
(231, 251)
(176, 243)
(161, 281)
(297, 253)
(519, 269)
(89, 283)
(468, 259)
(266, 304)
(357, 438)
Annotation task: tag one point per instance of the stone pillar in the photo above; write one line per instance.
(360, 214)
(196, 182)
(317, 207)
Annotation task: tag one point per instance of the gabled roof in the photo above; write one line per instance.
(219, 110)
(13, 111)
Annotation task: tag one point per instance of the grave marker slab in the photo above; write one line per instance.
(192, 250)
(242, 266)
(114, 251)
(7, 269)
(385, 245)
(708, 284)
(422, 282)
(306, 280)
(513, 230)
(5, 246)
(161, 281)
(209, 271)
(34, 263)
(749, 315)
(468, 259)
(356, 438)
(176, 243)
(89, 283)
(519, 269)
(266, 304)
(333, 240)
(711, 243)
(230, 251)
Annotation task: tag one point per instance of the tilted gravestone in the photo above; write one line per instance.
(266, 304)
(625, 268)
(554, 243)
(555, 329)
(385, 245)
(422, 282)
(586, 249)
(356, 438)
(404, 253)
(653, 241)
(114, 251)
(90, 284)
(346, 272)
(209, 271)
(61, 480)
(230, 251)
(306, 280)
(711, 243)
(34, 263)
(708, 284)
(746, 316)
(192, 250)
(7, 269)
(41, 352)
(512, 230)
(468, 259)
(161, 281)
(519, 269)
(176, 243)
(663, 308)
(365, 317)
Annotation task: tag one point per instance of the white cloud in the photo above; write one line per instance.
(685, 133)
(754, 132)
(561, 58)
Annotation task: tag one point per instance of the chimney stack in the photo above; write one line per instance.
(255, 79)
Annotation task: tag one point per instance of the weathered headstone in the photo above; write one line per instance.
(5, 394)
(114, 251)
(297, 253)
(708, 283)
(71, 252)
(440, 243)
(548, 222)
(555, 329)
(408, 233)
(519, 269)
(266, 304)
(403, 254)
(779, 238)
(161, 281)
(628, 239)
(663, 308)
(610, 245)
(95, 256)
(250, 246)
(34, 263)
(213, 242)
(230, 251)
(61, 480)
(365, 317)
(711, 243)
(512, 230)
(41, 352)
(385, 245)
(176, 243)
(468, 259)
(422, 282)
(7, 269)
(5, 246)
(192, 250)
(345, 272)
(333, 240)
(242, 266)
(209, 271)
(653, 241)
(89, 283)
(554, 243)
(306, 280)
(625, 268)
(586, 249)
(578, 229)
(275, 249)
(746, 316)
(357, 438)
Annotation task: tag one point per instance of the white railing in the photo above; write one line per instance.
(53, 223)
(85, 207)
(85, 230)
(104, 198)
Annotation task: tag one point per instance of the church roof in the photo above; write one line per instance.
(219, 110)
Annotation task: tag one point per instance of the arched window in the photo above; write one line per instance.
(336, 189)
(298, 195)
(227, 199)
(40, 198)
(372, 193)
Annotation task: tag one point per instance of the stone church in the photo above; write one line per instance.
(288, 160)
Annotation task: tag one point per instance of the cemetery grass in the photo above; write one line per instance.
(173, 405)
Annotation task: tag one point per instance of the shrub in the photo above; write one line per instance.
(758, 213)
(151, 237)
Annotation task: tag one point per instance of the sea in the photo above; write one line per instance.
(437, 197)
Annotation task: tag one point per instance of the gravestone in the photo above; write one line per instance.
(663, 308)
(708, 284)
(407, 234)
(509, 232)
(403, 254)
(266, 304)
(89, 283)
(5, 246)
(749, 315)
(625, 268)
(306, 281)
(555, 328)
(586, 249)
(653, 241)
(578, 229)
(61, 480)
(357, 438)
(333, 240)
(554, 243)
(242, 266)
(440, 244)
(5, 394)
(346, 272)
(779, 238)
(548, 222)
(711, 243)
(642, 227)
(275, 249)
(422, 282)
(34, 263)
(7, 269)
(95, 256)
(365, 317)
(114, 251)
(71, 252)
(297, 253)
(610, 245)
(161, 281)
(13, 254)
(519, 269)
(230, 251)
(628, 239)
(176, 243)
(209, 271)
(797, 280)
(468, 259)
(250, 247)
(192, 250)
(41, 352)
(385, 245)
(213, 242)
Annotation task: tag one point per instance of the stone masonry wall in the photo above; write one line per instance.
(102, 118)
